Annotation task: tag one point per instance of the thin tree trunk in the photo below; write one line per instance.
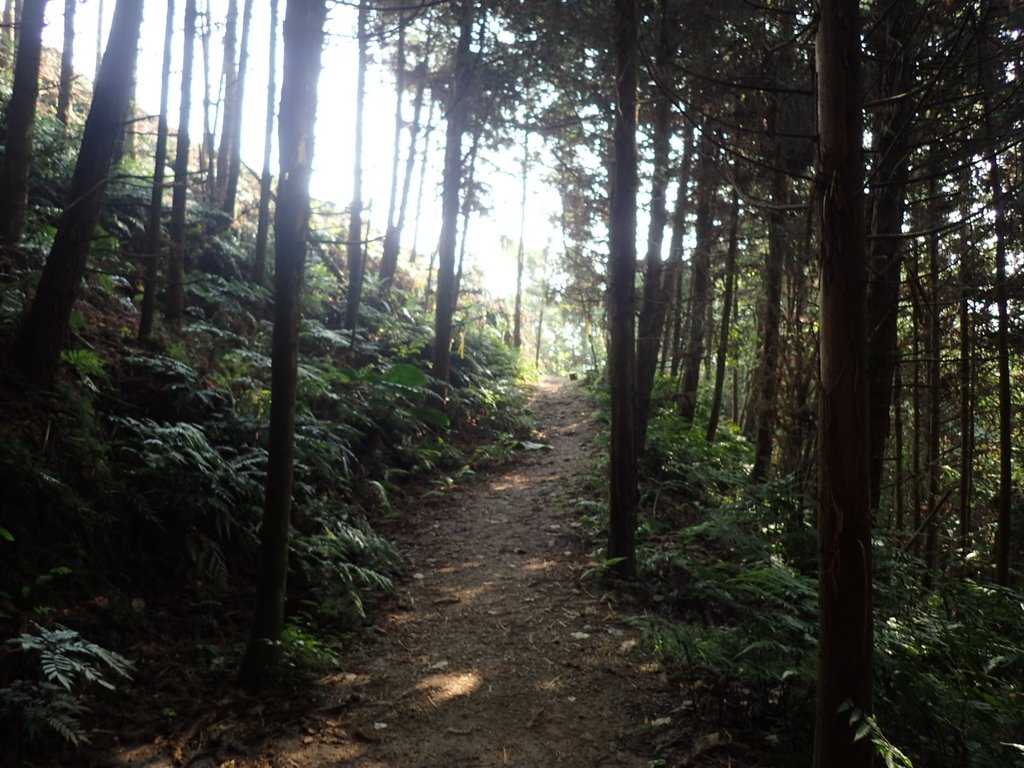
(457, 118)
(966, 404)
(768, 378)
(235, 153)
(723, 337)
(356, 266)
(259, 256)
(899, 473)
(700, 282)
(933, 351)
(652, 307)
(229, 105)
(540, 325)
(207, 154)
(156, 200)
(389, 256)
(622, 297)
(67, 63)
(99, 39)
(41, 337)
(175, 300)
(517, 322)
(887, 204)
(413, 252)
(303, 40)
(845, 638)
(7, 35)
(21, 120)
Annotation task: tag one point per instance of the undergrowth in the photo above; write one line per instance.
(728, 575)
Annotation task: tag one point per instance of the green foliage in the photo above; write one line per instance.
(67, 665)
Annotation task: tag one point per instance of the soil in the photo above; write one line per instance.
(498, 651)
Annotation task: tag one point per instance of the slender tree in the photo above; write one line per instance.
(229, 104)
(41, 337)
(67, 63)
(517, 320)
(235, 147)
(175, 301)
(845, 638)
(356, 266)
(156, 200)
(723, 334)
(303, 40)
(444, 306)
(622, 295)
(21, 120)
(259, 256)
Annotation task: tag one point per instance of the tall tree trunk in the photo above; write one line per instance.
(540, 325)
(235, 144)
(424, 163)
(723, 336)
(887, 204)
(100, 15)
(771, 343)
(966, 402)
(652, 307)
(303, 40)
(175, 301)
(41, 337)
(622, 296)
(259, 256)
(207, 154)
(21, 120)
(700, 281)
(457, 117)
(845, 639)
(7, 36)
(517, 321)
(156, 201)
(229, 105)
(389, 257)
(933, 353)
(67, 63)
(356, 266)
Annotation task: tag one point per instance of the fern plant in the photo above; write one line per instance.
(68, 665)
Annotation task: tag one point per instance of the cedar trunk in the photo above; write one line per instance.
(259, 256)
(303, 40)
(356, 262)
(41, 338)
(844, 524)
(67, 60)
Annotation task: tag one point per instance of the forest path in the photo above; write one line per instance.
(494, 653)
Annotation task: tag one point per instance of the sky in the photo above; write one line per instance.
(334, 151)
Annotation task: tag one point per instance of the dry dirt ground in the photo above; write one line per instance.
(497, 652)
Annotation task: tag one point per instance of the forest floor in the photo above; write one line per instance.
(498, 651)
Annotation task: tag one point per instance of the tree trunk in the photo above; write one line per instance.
(41, 337)
(230, 104)
(966, 403)
(723, 337)
(356, 266)
(771, 344)
(259, 256)
(235, 146)
(21, 120)
(67, 63)
(457, 117)
(700, 281)
(845, 639)
(389, 257)
(303, 40)
(207, 155)
(7, 41)
(517, 321)
(622, 297)
(887, 204)
(156, 201)
(933, 353)
(99, 39)
(652, 307)
(175, 300)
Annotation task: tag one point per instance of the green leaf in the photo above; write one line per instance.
(430, 415)
(6, 535)
(406, 375)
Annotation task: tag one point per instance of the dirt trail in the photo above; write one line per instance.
(495, 654)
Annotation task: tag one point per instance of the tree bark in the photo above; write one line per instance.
(175, 300)
(723, 337)
(41, 338)
(845, 634)
(235, 146)
(259, 256)
(230, 105)
(452, 182)
(622, 297)
(303, 40)
(887, 205)
(517, 320)
(156, 201)
(67, 63)
(21, 120)
(389, 257)
(652, 306)
(700, 282)
(356, 265)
